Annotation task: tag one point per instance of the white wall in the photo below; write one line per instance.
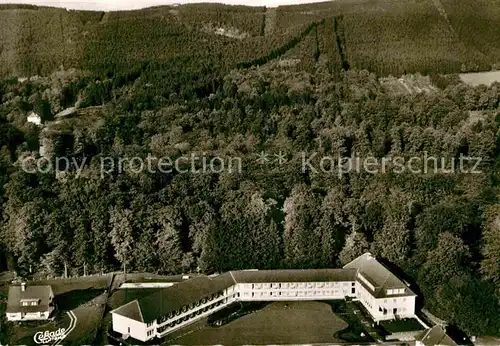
(32, 316)
(295, 291)
(34, 119)
(275, 292)
(14, 316)
(121, 324)
(405, 307)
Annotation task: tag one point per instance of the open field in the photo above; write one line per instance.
(478, 78)
(277, 323)
(61, 286)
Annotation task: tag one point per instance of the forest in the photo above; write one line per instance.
(310, 86)
(385, 37)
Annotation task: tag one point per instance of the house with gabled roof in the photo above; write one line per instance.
(382, 293)
(365, 279)
(435, 336)
(30, 302)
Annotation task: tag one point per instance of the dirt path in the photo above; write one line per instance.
(104, 18)
(269, 20)
(443, 13)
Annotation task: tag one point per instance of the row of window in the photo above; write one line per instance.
(299, 285)
(394, 300)
(186, 308)
(394, 310)
(190, 316)
(396, 291)
(299, 293)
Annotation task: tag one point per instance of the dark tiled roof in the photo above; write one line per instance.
(173, 298)
(299, 275)
(130, 310)
(42, 293)
(436, 336)
(379, 276)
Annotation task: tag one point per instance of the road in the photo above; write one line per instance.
(72, 325)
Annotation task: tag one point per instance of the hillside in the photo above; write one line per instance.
(208, 138)
(384, 36)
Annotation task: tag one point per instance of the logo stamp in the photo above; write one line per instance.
(47, 336)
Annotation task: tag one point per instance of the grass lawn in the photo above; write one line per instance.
(88, 321)
(478, 78)
(61, 286)
(276, 323)
(404, 325)
(78, 294)
(23, 332)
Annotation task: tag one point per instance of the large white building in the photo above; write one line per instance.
(365, 279)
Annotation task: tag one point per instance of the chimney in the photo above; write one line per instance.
(23, 286)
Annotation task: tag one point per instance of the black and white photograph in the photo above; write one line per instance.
(250, 172)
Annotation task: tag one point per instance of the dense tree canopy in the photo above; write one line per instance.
(271, 210)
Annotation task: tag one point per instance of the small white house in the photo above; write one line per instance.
(435, 336)
(29, 303)
(34, 118)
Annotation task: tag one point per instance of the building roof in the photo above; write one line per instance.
(40, 293)
(379, 276)
(435, 336)
(33, 114)
(184, 293)
(131, 310)
(293, 275)
(173, 298)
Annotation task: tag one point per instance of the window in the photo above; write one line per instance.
(29, 302)
(353, 290)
